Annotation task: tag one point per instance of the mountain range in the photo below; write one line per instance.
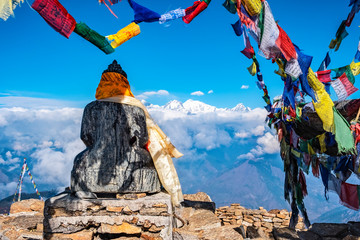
(229, 153)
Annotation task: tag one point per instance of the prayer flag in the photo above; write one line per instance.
(357, 55)
(237, 28)
(143, 14)
(349, 195)
(56, 16)
(346, 69)
(194, 10)
(172, 15)
(334, 184)
(325, 178)
(252, 69)
(341, 33)
(355, 68)
(304, 63)
(230, 5)
(302, 181)
(249, 50)
(325, 63)
(124, 35)
(324, 76)
(285, 45)
(253, 7)
(95, 38)
(343, 135)
(269, 34)
(7, 8)
(343, 87)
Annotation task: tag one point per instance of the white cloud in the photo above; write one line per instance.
(210, 92)
(146, 95)
(197, 93)
(244, 86)
(50, 137)
(268, 143)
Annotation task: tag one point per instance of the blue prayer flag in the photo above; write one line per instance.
(143, 14)
(237, 28)
(325, 63)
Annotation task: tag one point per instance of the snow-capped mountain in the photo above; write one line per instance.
(194, 106)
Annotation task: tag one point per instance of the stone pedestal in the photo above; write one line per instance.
(148, 217)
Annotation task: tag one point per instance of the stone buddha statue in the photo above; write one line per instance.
(116, 158)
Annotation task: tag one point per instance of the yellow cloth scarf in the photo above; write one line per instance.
(160, 148)
(113, 84)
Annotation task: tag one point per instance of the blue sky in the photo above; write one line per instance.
(180, 58)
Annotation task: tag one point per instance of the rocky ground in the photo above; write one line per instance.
(197, 219)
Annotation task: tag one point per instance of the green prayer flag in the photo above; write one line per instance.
(95, 38)
(230, 5)
(347, 71)
(343, 135)
(261, 22)
(303, 145)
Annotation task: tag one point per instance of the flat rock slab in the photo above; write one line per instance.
(65, 215)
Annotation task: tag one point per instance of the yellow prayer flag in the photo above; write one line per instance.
(322, 142)
(253, 7)
(324, 104)
(124, 35)
(355, 68)
(252, 69)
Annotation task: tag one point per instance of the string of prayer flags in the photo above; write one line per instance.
(285, 45)
(56, 16)
(237, 28)
(172, 15)
(325, 63)
(230, 5)
(343, 87)
(324, 76)
(194, 10)
(124, 35)
(340, 35)
(7, 8)
(143, 14)
(95, 38)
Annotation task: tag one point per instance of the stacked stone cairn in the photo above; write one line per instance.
(257, 218)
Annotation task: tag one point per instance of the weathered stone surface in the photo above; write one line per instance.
(29, 205)
(223, 233)
(110, 218)
(200, 197)
(329, 229)
(284, 233)
(82, 235)
(115, 160)
(122, 228)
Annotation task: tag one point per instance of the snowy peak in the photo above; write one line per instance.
(197, 106)
(240, 108)
(174, 105)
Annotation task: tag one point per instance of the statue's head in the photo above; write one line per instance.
(113, 82)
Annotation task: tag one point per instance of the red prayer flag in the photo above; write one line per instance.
(349, 87)
(56, 16)
(285, 45)
(349, 195)
(324, 76)
(194, 10)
